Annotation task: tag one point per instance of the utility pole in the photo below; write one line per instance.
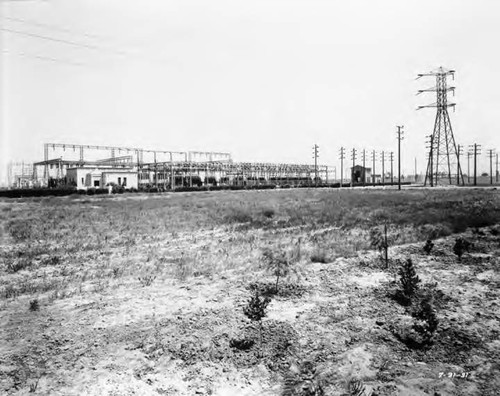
(496, 173)
(459, 153)
(415, 169)
(391, 158)
(364, 167)
(342, 156)
(353, 156)
(316, 155)
(430, 164)
(400, 137)
(475, 151)
(374, 158)
(491, 155)
(383, 163)
(469, 154)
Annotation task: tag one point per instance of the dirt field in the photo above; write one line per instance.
(145, 294)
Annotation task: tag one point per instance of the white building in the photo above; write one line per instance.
(94, 177)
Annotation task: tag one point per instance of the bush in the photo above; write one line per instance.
(426, 320)
(461, 246)
(319, 256)
(428, 246)
(409, 282)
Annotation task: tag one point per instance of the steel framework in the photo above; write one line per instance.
(443, 153)
(20, 174)
(171, 174)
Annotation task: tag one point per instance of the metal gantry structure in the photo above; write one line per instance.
(172, 174)
(172, 169)
(443, 154)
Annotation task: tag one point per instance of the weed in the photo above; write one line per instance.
(409, 282)
(378, 240)
(304, 380)
(34, 305)
(428, 246)
(18, 265)
(34, 385)
(147, 280)
(319, 256)
(426, 320)
(461, 246)
(356, 388)
(281, 263)
(255, 310)
(117, 271)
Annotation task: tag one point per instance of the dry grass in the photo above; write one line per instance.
(64, 249)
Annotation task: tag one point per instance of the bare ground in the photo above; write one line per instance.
(108, 332)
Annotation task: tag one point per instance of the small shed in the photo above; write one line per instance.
(360, 174)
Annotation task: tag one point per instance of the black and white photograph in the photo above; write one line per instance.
(249, 197)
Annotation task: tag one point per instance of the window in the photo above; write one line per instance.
(119, 181)
(83, 182)
(96, 183)
(124, 181)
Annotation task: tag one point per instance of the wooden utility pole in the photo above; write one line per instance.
(383, 171)
(353, 156)
(491, 155)
(391, 158)
(400, 137)
(364, 167)
(316, 154)
(342, 156)
(374, 157)
(474, 149)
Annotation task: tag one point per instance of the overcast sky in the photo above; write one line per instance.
(264, 80)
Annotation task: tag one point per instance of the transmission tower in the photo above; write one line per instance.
(443, 154)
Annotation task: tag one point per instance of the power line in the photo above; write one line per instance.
(45, 58)
(77, 44)
(52, 27)
(63, 41)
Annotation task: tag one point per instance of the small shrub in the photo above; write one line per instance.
(304, 380)
(280, 263)
(18, 265)
(319, 256)
(147, 280)
(256, 310)
(356, 388)
(409, 281)
(461, 246)
(378, 240)
(268, 213)
(428, 246)
(34, 305)
(426, 320)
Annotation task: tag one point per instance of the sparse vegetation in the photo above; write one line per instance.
(256, 310)
(147, 280)
(409, 281)
(304, 380)
(91, 252)
(34, 305)
(461, 246)
(378, 240)
(356, 388)
(429, 245)
(281, 263)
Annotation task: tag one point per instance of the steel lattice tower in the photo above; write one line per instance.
(443, 154)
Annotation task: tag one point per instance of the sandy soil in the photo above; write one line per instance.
(177, 337)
